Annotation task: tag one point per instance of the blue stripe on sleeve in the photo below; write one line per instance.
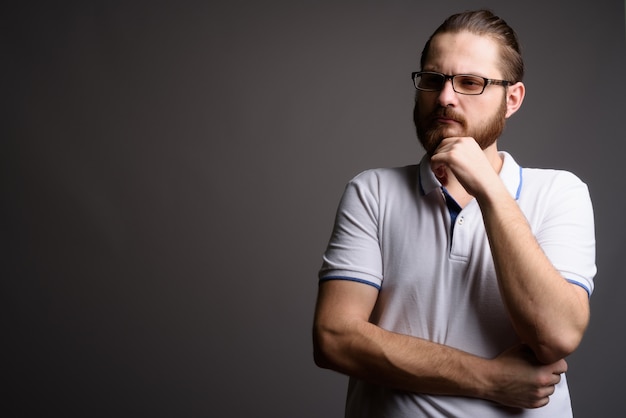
(581, 285)
(350, 279)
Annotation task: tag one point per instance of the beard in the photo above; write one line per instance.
(430, 133)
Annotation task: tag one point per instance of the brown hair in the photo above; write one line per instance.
(485, 23)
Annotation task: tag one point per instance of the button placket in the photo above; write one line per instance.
(460, 248)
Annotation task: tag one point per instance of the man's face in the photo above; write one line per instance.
(443, 114)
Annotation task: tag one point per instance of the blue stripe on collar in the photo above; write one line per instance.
(519, 187)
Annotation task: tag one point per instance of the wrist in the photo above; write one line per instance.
(486, 378)
(483, 378)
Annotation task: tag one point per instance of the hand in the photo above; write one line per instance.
(464, 158)
(521, 381)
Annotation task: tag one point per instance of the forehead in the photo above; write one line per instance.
(464, 52)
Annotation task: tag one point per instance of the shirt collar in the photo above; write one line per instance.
(511, 175)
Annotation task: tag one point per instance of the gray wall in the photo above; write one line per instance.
(170, 172)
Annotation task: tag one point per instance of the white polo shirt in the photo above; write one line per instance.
(393, 231)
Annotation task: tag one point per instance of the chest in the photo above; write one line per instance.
(427, 252)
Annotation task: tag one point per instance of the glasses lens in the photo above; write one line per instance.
(430, 81)
(468, 84)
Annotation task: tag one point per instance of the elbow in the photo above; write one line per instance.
(320, 355)
(321, 359)
(331, 348)
(558, 341)
(323, 343)
(557, 348)
(549, 355)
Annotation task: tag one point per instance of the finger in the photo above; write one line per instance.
(560, 367)
(549, 391)
(439, 169)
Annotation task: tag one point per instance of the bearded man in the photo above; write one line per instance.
(457, 286)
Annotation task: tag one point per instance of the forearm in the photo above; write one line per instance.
(365, 351)
(345, 341)
(548, 313)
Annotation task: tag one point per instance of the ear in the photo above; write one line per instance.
(514, 98)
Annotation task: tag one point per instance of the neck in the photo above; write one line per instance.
(491, 152)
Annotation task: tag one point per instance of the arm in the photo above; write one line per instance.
(345, 341)
(549, 314)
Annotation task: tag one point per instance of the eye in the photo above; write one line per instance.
(469, 82)
(431, 81)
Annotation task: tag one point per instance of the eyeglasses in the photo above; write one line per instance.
(461, 83)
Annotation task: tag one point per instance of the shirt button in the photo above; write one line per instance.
(461, 220)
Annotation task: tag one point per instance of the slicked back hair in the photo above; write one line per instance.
(485, 23)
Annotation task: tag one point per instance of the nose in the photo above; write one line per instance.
(447, 95)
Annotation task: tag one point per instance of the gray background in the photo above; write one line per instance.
(170, 173)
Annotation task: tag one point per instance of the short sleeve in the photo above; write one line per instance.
(567, 233)
(353, 251)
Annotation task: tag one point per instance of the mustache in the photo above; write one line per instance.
(448, 113)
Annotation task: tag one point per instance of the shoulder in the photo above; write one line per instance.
(546, 178)
(377, 185)
(550, 174)
(537, 181)
(553, 188)
(386, 177)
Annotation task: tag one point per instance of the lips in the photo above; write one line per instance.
(445, 120)
(446, 116)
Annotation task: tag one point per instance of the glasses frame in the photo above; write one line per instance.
(447, 77)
